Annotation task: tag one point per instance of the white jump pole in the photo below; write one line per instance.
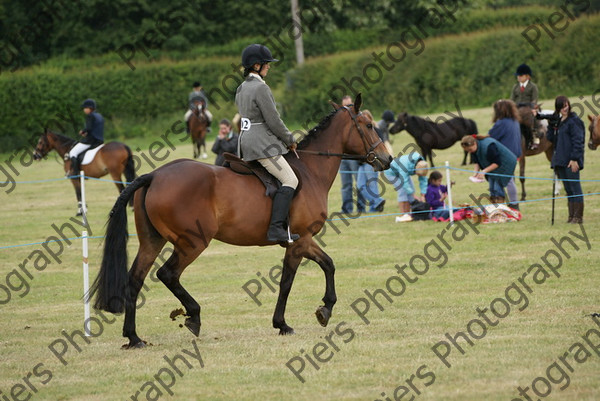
(86, 285)
(86, 276)
(449, 185)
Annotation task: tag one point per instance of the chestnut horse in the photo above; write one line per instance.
(114, 158)
(594, 132)
(527, 123)
(198, 128)
(189, 203)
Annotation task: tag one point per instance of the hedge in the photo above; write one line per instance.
(471, 70)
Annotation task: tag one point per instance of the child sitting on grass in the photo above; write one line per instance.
(435, 196)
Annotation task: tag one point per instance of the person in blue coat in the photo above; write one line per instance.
(568, 137)
(507, 131)
(490, 156)
(92, 133)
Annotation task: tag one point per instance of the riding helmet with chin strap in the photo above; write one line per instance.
(388, 116)
(91, 103)
(256, 53)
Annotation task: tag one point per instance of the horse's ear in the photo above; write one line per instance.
(357, 103)
(334, 105)
(591, 118)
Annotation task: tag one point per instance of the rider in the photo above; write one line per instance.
(525, 93)
(264, 137)
(197, 94)
(93, 134)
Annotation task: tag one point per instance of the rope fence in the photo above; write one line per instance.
(361, 215)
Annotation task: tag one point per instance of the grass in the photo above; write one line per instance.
(242, 355)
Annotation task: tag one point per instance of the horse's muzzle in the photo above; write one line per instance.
(592, 145)
(37, 156)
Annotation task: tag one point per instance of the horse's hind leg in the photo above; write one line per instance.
(169, 274)
(151, 244)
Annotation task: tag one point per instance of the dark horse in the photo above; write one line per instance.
(189, 203)
(527, 123)
(594, 132)
(198, 128)
(114, 158)
(430, 135)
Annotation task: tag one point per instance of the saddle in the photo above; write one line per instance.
(239, 166)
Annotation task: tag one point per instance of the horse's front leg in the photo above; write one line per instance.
(316, 254)
(290, 266)
(77, 185)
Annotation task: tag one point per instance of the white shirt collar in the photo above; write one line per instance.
(524, 84)
(255, 75)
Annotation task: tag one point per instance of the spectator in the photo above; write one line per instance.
(399, 174)
(490, 155)
(227, 141)
(387, 118)
(568, 137)
(435, 196)
(348, 175)
(507, 131)
(367, 180)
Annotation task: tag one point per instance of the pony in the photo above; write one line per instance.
(430, 135)
(198, 124)
(527, 123)
(113, 158)
(594, 132)
(189, 203)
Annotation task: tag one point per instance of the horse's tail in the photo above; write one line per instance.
(129, 168)
(111, 287)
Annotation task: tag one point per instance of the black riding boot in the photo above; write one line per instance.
(571, 211)
(279, 215)
(74, 167)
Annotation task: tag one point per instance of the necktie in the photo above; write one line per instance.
(522, 88)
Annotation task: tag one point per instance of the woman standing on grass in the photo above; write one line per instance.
(568, 138)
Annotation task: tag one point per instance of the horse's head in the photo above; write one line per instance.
(199, 105)
(363, 139)
(400, 123)
(594, 132)
(43, 146)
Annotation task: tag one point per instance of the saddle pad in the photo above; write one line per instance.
(90, 154)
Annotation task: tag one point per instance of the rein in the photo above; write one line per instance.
(369, 157)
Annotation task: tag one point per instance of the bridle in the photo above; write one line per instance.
(40, 153)
(369, 155)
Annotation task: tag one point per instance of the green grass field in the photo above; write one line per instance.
(537, 344)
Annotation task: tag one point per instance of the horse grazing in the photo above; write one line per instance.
(594, 132)
(198, 127)
(189, 203)
(430, 135)
(113, 158)
(527, 123)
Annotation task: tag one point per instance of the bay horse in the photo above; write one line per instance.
(114, 158)
(189, 203)
(198, 128)
(430, 135)
(594, 132)
(527, 123)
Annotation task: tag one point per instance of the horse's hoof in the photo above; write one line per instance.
(286, 331)
(137, 345)
(193, 326)
(323, 314)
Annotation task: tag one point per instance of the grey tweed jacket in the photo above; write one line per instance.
(267, 135)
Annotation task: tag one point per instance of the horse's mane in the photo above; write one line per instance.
(62, 138)
(323, 124)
